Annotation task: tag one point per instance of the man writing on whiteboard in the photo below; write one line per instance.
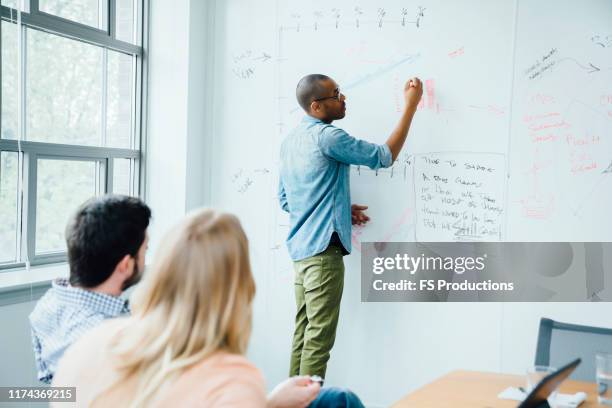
(315, 161)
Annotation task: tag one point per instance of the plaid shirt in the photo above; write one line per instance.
(62, 316)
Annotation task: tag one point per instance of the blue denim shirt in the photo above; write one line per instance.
(314, 186)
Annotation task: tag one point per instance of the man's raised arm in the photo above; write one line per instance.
(413, 90)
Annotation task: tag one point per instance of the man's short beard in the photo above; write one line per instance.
(134, 279)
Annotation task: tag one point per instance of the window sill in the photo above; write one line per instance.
(20, 278)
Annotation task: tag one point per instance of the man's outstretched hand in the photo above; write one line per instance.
(358, 216)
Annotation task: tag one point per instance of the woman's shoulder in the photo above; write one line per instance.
(222, 379)
(223, 368)
(223, 361)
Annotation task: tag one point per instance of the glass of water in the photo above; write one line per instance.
(604, 378)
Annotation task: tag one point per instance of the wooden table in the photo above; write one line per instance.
(479, 390)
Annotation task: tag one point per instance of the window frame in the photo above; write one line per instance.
(29, 152)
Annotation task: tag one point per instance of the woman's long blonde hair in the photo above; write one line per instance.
(195, 301)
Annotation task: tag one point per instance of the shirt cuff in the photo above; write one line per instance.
(386, 160)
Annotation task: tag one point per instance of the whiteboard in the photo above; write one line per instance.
(561, 131)
(516, 116)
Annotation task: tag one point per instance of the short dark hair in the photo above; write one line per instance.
(310, 88)
(103, 231)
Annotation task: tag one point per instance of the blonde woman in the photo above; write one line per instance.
(185, 341)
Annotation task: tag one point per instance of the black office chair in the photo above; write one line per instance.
(559, 343)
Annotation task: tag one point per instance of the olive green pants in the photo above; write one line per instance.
(319, 281)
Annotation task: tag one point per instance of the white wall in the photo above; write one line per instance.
(177, 149)
(17, 366)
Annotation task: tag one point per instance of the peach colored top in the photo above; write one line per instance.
(221, 380)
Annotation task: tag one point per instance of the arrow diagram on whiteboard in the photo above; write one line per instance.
(264, 57)
(594, 68)
(590, 68)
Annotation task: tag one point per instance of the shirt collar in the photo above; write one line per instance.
(108, 305)
(310, 119)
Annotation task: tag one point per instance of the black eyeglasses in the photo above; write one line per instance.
(337, 96)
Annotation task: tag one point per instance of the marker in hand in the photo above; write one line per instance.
(316, 378)
(413, 90)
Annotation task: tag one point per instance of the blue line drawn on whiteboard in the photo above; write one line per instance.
(373, 75)
(381, 71)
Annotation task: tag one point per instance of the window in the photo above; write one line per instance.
(61, 186)
(8, 206)
(70, 102)
(8, 72)
(123, 176)
(10, 3)
(63, 90)
(120, 99)
(89, 12)
(125, 20)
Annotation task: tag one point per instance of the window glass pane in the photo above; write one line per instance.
(8, 206)
(121, 176)
(125, 20)
(9, 80)
(119, 110)
(89, 12)
(63, 90)
(14, 4)
(9, 3)
(62, 186)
